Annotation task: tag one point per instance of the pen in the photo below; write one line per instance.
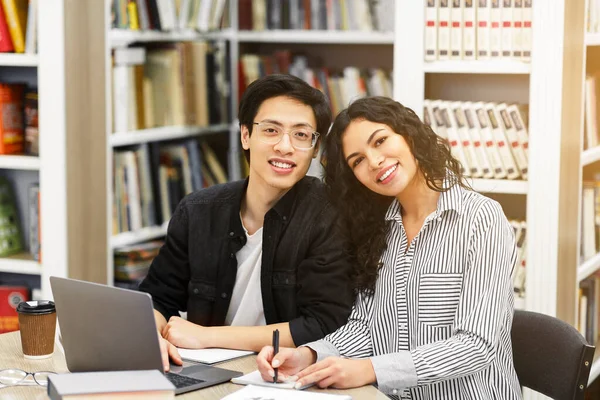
(275, 350)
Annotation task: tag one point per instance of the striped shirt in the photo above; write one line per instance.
(438, 323)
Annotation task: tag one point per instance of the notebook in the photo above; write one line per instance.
(254, 378)
(260, 392)
(211, 356)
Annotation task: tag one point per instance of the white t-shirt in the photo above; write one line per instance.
(246, 306)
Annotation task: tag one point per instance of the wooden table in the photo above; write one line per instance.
(11, 356)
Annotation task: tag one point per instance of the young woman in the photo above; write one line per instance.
(434, 309)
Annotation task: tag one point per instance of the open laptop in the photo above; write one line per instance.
(105, 328)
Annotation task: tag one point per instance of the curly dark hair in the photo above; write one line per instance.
(362, 211)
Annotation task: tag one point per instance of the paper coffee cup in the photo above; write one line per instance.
(37, 324)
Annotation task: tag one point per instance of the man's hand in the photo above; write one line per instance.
(168, 350)
(186, 334)
(288, 361)
(337, 372)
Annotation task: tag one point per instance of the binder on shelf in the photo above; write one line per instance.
(456, 29)
(495, 29)
(431, 22)
(455, 143)
(517, 30)
(507, 28)
(483, 29)
(516, 147)
(469, 30)
(458, 120)
(487, 170)
(484, 126)
(512, 172)
(443, 41)
(526, 33)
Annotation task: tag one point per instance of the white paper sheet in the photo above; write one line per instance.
(211, 356)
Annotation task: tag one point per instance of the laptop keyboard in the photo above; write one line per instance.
(181, 381)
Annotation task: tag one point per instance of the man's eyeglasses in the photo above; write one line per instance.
(301, 138)
(12, 377)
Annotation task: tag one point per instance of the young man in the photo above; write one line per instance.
(248, 257)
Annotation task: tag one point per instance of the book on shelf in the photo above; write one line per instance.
(32, 133)
(160, 15)
(180, 84)
(11, 118)
(151, 179)
(10, 297)
(477, 29)
(35, 240)
(520, 273)
(590, 219)
(341, 15)
(489, 139)
(15, 12)
(341, 86)
(588, 296)
(150, 384)
(591, 111)
(10, 226)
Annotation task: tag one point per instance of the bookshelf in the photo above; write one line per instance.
(552, 87)
(240, 42)
(66, 168)
(549, 84)
(588, 168)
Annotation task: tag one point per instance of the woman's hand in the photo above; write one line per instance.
(186, 334)
(167, 350)
(288, 362)
(337, 372)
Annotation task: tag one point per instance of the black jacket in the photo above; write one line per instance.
(305, 271)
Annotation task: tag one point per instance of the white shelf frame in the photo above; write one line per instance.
(590, 156)
(18, 60)
(163, 133)
(125, 37)
(588, 267)
(504, 67)
(21, 162)
(315, 37)
(20, 264)
(592, 39)
(501, 186)
(142, 235)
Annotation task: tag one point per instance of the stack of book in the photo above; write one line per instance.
(489, 139)
(340, 86)
(133, 262)
(482, 29)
